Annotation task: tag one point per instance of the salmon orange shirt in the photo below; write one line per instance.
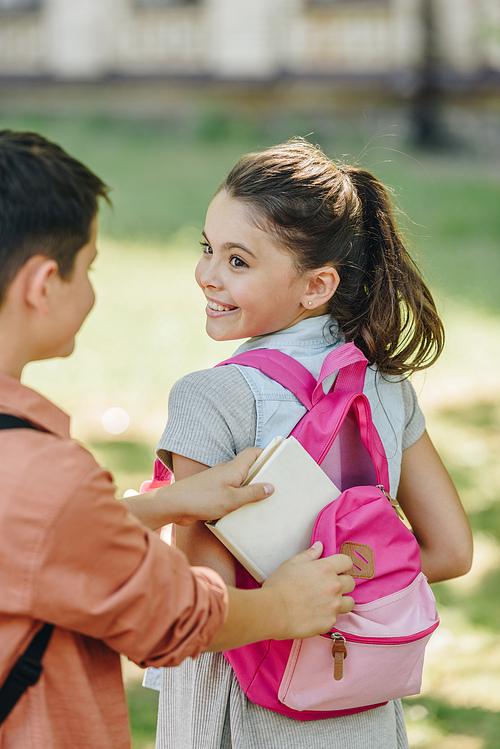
(71, 554)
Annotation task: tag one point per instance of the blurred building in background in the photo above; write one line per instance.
(170, 57)
(249, 40)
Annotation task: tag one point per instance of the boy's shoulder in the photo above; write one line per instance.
(43, 459)
(45, 463)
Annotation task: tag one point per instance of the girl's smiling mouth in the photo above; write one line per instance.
(213, 306)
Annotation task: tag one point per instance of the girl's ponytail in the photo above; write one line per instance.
(341, 216)
(396, 323)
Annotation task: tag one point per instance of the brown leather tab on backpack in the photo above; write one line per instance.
(363, 561)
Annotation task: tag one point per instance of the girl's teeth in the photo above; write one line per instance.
(218, 307)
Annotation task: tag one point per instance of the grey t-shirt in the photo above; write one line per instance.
(212, 417)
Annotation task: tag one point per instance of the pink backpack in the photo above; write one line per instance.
(375, 653)
(162, 476)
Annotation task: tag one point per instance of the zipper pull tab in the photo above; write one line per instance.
(394, 502)
(339, 652)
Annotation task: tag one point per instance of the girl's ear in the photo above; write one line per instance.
(323, 283)
(39, 273)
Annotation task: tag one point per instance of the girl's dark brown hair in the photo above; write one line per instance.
(342, 216)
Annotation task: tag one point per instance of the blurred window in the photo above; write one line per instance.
(342, 2)
(163, 3)
(19, 6)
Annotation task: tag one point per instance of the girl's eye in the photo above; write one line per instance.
(207, 250)
(237, 262)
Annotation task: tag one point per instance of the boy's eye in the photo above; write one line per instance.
(237, 262)
(207, 250)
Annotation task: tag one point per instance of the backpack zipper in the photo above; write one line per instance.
(340, 640)
(339, 652)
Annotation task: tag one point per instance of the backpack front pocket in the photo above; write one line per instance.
(374, 654)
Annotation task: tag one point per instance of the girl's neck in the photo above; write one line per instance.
(289, 329)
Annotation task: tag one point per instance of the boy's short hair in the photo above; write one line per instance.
(48, 200)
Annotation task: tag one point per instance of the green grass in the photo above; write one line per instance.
(457, 224)
(148, 330)
(143, 709)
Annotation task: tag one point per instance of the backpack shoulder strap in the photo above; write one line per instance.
(347, 360)
(8, 421)
(280, 367)
(25, 672)
(350, 363)
(28, 667)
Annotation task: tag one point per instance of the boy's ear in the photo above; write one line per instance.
(323, 283)
(37, 276)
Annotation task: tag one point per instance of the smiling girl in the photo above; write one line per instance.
(301, 255)
(238, 274)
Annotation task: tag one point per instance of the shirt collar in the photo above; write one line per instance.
(22, 401)
(313, 332)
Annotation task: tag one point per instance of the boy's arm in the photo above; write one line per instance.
(302, 598)
(430, 502)
(205, 497)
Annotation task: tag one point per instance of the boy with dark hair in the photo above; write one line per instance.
(70, 553)
(46, 197)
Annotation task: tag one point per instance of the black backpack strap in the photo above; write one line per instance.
(8, 421)
(25, 672)
(28, 667)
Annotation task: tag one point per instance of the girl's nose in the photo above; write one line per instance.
(207, 274)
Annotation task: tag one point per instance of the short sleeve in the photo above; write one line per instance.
(211, 417)
(414, 425)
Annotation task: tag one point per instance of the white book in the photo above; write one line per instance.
(264, 534)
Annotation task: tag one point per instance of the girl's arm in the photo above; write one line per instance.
(430, 502)
(196, 541)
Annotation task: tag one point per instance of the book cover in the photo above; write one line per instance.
(264, 534)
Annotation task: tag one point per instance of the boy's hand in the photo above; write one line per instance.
(213, 493)
(302, 598)
(312, 591)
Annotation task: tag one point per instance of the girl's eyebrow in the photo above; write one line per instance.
(230, 245)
